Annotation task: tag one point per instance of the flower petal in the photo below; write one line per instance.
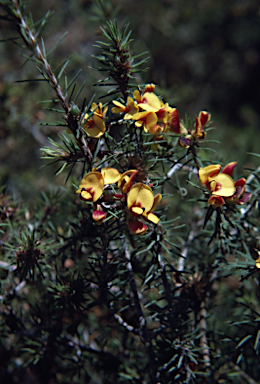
(93, 182)
(244, 198)
(136, 227)
(209, 171)
(150, 121)
(216, 201)
(184, 142)
(240, 182)
(153, 218)
(85, 195)
(118, 107)
(126, 182)
(222, 185)
(204, 117)
(140, 115)
(110, 175)
(99, 216)
(132, 108)
(137, 210)
(174, 122)
(157, 200)
(199, 131)
(156, 129)
(150, 102)
(140, 195)
(95, 127)
(229, 168)
(137, 95)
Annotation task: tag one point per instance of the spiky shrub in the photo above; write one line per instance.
(122, 278)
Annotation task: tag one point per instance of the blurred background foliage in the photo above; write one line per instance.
(203, 55)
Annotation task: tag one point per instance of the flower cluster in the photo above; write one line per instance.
(188, 136)
(223, 188)
(138, 199)
(149, 112)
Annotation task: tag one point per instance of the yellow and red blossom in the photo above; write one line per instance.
(222, 186)
(141, 203)
(203, 119)
(216, 201)
(146, 119)
(138, 95)
(150, 102)
(149, 88)
(148, 111)
(130, 109)
(139, 198)
(92, 185)
(95, 125)
(207, 172)
(188, 136)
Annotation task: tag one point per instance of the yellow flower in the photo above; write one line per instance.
(95, 125)
(141, 203)
(150, 102)
(221, 184)
(130, 109)
(140, 199)
(110, 175)
(146, 119)
(209, 171)
(149, 88)
(203, 119)
(92, 185)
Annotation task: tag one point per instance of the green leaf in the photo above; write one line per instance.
(243, 341)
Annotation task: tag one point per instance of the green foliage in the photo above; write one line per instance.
(117, 60)
(84, 298)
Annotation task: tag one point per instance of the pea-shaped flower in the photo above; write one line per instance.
(92, 185)
(141, 203)
(95, 125)
(130, 109)
(222, 186)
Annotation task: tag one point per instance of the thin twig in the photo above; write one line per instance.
(203, 328)
(32, 44)
(184, 252)
(142, 322)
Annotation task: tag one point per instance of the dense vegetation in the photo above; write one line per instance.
(134, 255)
